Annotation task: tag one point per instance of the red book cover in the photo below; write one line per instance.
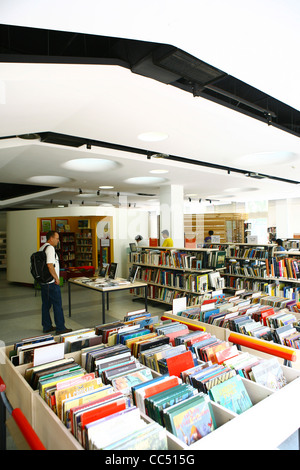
(104, 410)
(179, 363)
(265, 314)
(98, 401)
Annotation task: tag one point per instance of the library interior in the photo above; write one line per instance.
(156, 158)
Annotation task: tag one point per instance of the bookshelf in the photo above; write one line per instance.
(2, 250)
(67, 249)
(84, 247)
(173, 273)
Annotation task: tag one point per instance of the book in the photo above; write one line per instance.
(177, 364)
(269, 374)
(191, 419)
(232, 394)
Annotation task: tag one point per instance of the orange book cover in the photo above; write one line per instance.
(267, 267)
(161, 387)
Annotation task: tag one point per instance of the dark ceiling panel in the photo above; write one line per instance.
(9, 191)
(161, 62)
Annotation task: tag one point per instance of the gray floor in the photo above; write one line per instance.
(20, 316)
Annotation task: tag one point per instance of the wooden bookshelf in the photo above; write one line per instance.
(67, 253)
(84, 247)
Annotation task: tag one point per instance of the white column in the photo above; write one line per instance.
(172, 213)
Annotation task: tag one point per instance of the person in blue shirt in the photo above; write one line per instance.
(279, 248)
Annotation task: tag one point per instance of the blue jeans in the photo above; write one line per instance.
(51, 297)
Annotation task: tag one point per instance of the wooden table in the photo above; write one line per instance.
(105, 289)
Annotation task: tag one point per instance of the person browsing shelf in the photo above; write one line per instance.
(167, 240)
(207, 240)
(279, 248)
(50, 292)
(140, 241)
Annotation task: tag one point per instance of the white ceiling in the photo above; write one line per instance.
(111, 104)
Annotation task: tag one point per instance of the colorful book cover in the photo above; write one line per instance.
(192, 424)
(232, 394)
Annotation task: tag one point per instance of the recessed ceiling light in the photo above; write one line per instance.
(90, 164)
(268, 158)
(230, 190)
(153, 136)
(50, 179)
(145, 180)
(106, 187)
(159, 171)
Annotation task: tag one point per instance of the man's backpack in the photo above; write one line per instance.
(39, 268)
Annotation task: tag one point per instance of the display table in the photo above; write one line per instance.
(106, 288)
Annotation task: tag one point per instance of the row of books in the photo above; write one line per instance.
(217, 363)
(190, 282)
(271, 288)
(197, 260)
(247, 270)
(98, 414)
(247, 253)
(102, 400)
(288, 268)
(270, 319)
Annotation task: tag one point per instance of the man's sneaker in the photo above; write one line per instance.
(66, 330)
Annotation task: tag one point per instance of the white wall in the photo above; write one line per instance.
(22, 235)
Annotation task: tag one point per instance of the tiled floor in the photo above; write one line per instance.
(20, 316)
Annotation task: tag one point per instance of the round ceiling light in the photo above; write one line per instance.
(268, 158)
(90, 164)
(48, 179)
(158, 171)
(153, 136)
(145, 180)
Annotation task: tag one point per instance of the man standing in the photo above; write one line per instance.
(51, 295)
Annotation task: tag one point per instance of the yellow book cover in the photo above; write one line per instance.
(72, 391)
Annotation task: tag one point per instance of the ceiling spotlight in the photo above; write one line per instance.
(159, 155)
(88, 146)
(98, 193)
(255, 175)
(80, 191)
(200, 200)
(190, 199)
(70, 202)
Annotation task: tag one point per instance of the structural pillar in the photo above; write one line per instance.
(172, 213)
